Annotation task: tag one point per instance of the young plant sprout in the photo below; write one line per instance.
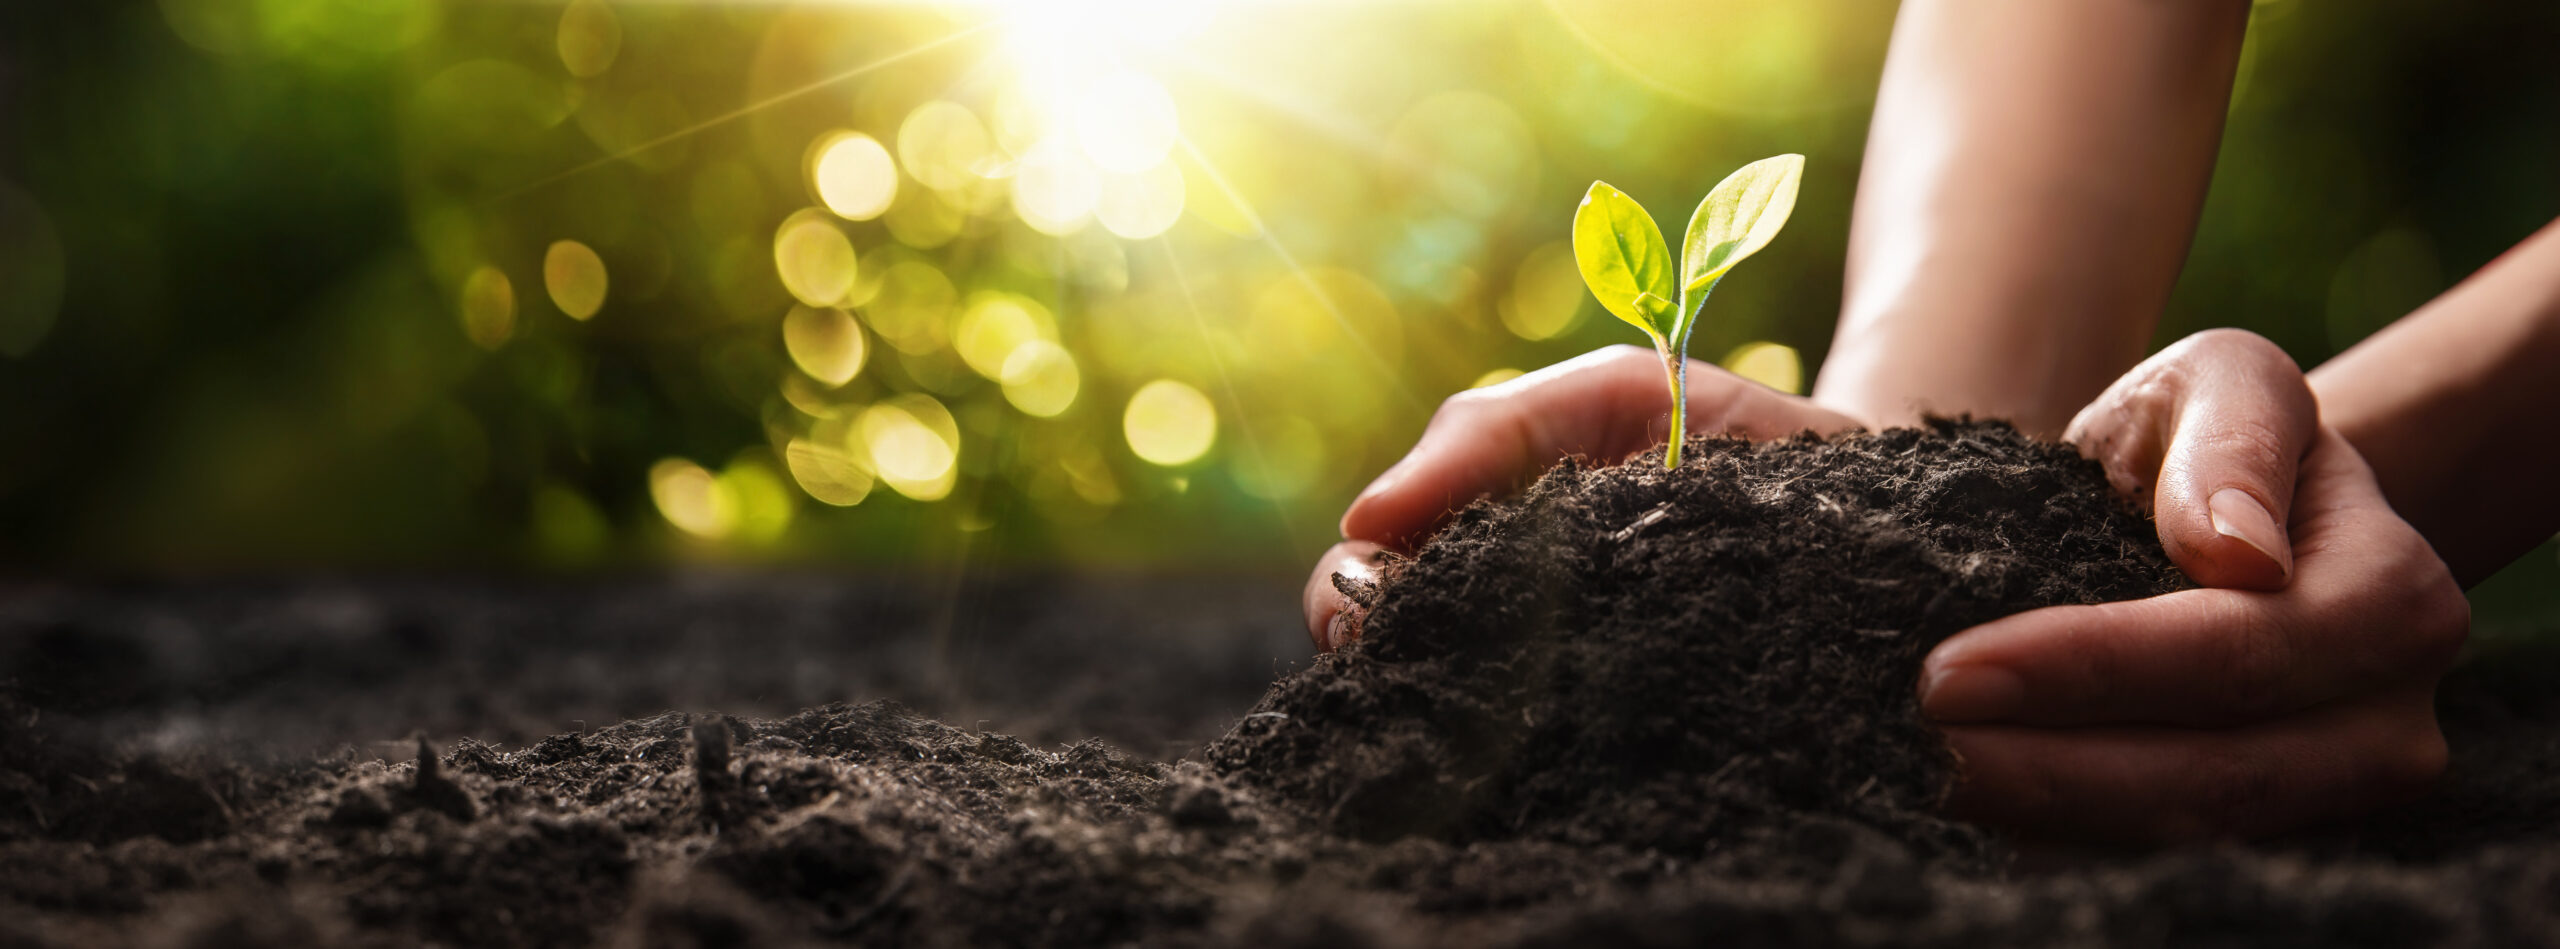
(1628, 267)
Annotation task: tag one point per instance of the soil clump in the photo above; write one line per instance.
(1681, 659)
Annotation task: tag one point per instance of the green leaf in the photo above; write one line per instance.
(1654, 307)
(1624, 259)
(1738, 218)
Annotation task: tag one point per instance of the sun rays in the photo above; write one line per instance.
(1047, 152)
(812, 87)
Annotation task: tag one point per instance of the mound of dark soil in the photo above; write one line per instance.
(1683, 659)
(1635, 707)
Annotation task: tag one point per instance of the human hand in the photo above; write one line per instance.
(1605, 404)
(2299, 687)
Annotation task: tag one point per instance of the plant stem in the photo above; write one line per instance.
(1677, 367)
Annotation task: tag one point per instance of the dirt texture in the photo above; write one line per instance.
(1632, 707)
(1682, 659)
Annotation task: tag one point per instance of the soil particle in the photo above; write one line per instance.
(1634, 707)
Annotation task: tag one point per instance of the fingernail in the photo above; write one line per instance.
(1972, 694)
(2240, 517)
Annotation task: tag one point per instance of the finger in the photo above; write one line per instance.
(1332, 619)
(2209, 433)
(2228, 481)
(2163, 785)
(2371, 606)
(1603, 405)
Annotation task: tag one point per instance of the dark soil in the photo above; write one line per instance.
(1635, 707)
(1681, 660)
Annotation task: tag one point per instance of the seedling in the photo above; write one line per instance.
(1628, 267)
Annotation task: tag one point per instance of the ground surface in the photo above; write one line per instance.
(1639, 708)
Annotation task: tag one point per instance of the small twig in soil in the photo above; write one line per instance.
(711, 749)
(430, 770)
(436, 792)
(711, 766)
(1645, 520)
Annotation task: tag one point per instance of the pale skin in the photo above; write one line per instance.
(2033, 179)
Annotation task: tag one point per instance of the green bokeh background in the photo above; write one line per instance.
(237, 232)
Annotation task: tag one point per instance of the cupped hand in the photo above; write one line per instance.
(2297, 687)
(1603, 405)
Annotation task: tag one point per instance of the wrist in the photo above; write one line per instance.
(2009, 372)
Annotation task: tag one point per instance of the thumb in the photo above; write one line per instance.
(2217, 425)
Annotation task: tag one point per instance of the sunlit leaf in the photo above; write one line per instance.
(1623, 257)
(1738, 218)
(1655, 308)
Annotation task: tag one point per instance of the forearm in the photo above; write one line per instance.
(2453, 407)
(2032, 180)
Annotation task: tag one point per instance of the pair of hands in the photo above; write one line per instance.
(2297, 686)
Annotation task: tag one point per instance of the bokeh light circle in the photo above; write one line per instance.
(814, 259)
(913, 444)
(590, 38)
(824, 342)
(1547, 295)
(692, 499)
(1041, 378)
(854, 176)
(1284, 461)
(575, 278)
(944, 146)
(912, 310)
(761, 500)
(1769, 364)
(827, 473)
(1326, 313)
(567, 526)
(1142, 205)
(488, 307)
(222, 27)
(927, 221)
(1055, 189)
(994, 325)
(1168, 423)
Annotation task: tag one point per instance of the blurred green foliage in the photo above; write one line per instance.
(1115, 282)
